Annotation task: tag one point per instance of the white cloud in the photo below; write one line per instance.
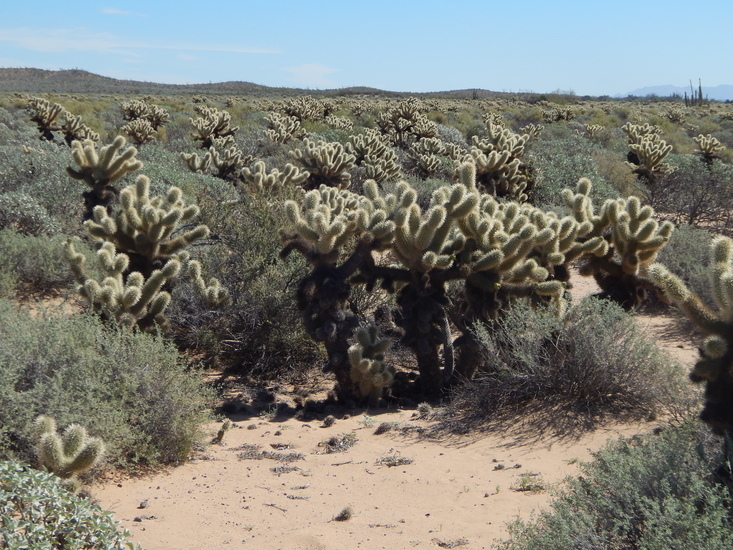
(312, 75)
(115, 11)
(64, 40)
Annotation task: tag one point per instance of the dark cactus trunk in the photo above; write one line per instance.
(422, 317)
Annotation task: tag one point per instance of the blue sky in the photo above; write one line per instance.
(591, 47)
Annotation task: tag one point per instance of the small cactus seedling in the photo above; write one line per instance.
(369, 372)
(67, 454)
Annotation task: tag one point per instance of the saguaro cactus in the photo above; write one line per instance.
(66, 454)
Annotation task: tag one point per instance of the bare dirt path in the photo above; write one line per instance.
(400, 490)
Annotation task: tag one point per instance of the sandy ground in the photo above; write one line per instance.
(270, 483)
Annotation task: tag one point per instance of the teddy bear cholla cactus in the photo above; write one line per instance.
(634, 239)
(100, 169)
(369, 372)
(283, 128)
(326, 164)
(126, 297)
(140, 254)
(261, 181)
(67, 454)
(715, 366)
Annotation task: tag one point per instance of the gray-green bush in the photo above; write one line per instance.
(38, 512)
(652, 493)
(129, 388)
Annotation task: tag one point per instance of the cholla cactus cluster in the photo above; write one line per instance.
(228, 165)
(369, 371)
(140, 131)
(499, 250)
(500, 170)
(647, 151)
(326, 164)
(633, 239)
(283, 128)
(212, 128)
(154, 115)
(708, 147)
(141, 242)
(405, 123)
(46, 116)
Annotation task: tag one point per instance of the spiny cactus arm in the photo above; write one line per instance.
(196, 164)
(103, 168)
(152, 301)
(70, 453)
(676, 290)
(213, 293)
(179, 242)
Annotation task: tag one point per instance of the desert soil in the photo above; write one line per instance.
(270, 483)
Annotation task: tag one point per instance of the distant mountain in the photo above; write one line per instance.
(76, 81)
(723, 92)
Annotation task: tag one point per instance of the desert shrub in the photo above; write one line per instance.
(36, 262)
(129, 388)
(560, 163)
(698, 193)
(21, 212)
(41, 174)
(687, 255)
(593, 362)
(262, 328)
(38, 512)
(656, 492)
